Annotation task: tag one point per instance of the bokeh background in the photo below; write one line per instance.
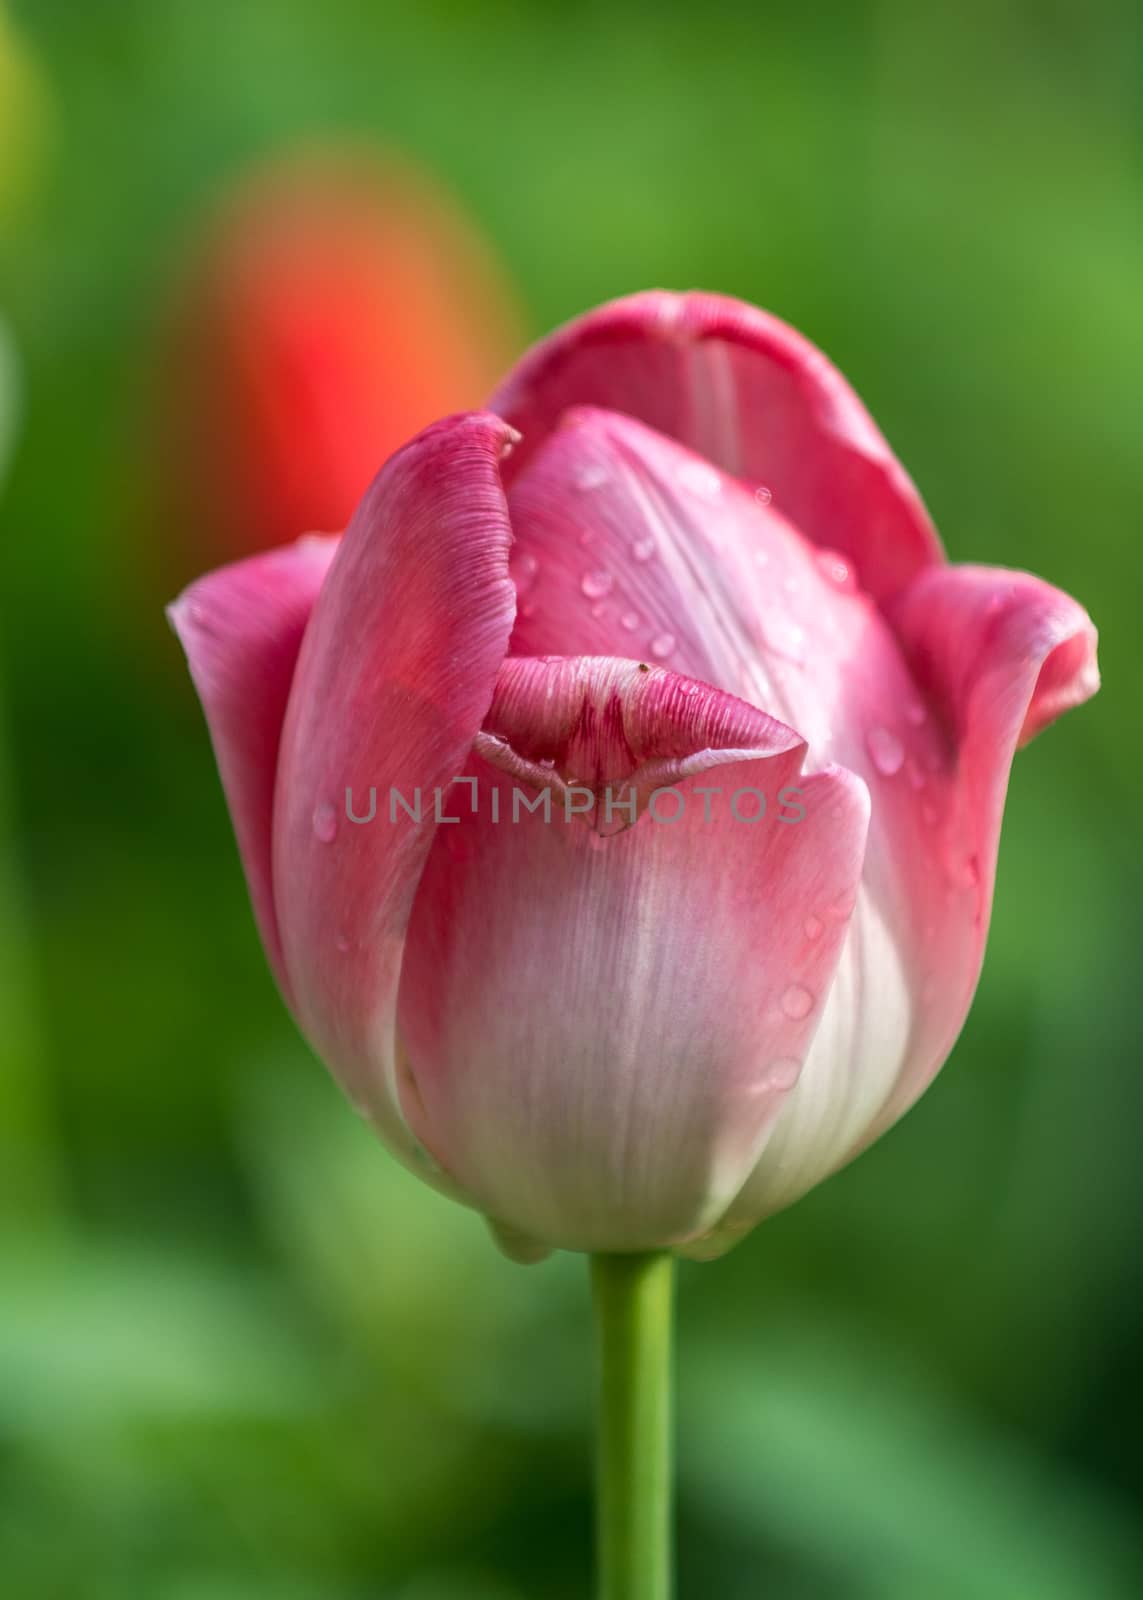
(243, 1356)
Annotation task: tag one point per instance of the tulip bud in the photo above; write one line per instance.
(336, 304)
(689, 752)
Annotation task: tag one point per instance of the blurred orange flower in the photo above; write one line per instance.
(337, 303)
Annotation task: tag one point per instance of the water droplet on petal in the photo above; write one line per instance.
(843, 906)
(915, 713)
(523, 571)
(600, 610)
(797, 1002)
(885, 750)
(700, 479)
(630, 620)
(783, 1073)
(588, 478)
(587, 536)
(763, 495)
(914, 774)
(643, 549)
(596, 584)
(967, 874)
(784, 636)
(662, 645)
(813, 927)
(762, 558)
(341, 944)
(325, 822)
(836, 569)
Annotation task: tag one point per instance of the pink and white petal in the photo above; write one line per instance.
(1000, 654)
(753, 397)
(602, 1026)
(241, 627)
(747, 605)
(629, 544)
(395, 677)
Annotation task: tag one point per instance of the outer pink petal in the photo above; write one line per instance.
(752, 396)
(241, 628)
(627, 541)
(603, 1027)
(395, 677)
(735, 596)
(1001, 654)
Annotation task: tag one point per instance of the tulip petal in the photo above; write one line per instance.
(746, 604)
(602, 1022)
(242, 628)
(753, 397)
(394, 680)
(1000, 654)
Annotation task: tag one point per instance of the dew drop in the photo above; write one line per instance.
(662, 645)
(915, 713)
(587, 536)
(797, 1002)
(341, 944)
(599, 610)
(325, 822)
(914, 774)
(763, 495)
(813, 927)
(967, 874)
(596, 584)
(588, 478)
(700, 479)
(784, 636)
(843, 906)
(836, 568)
(630, 620)
(783, 1073)
(963, 869)
(885, 750)
(524, 570)
(643, 549)
(762, 558)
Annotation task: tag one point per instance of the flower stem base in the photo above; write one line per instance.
(633, 1296)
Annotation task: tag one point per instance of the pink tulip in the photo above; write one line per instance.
(675, 554)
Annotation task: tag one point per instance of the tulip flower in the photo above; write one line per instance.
(335, 304)
(674, 585)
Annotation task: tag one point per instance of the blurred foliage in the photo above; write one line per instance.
(242, 1354)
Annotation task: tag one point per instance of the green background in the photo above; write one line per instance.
(242, 1355)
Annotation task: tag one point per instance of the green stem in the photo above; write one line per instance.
(633, 1297)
